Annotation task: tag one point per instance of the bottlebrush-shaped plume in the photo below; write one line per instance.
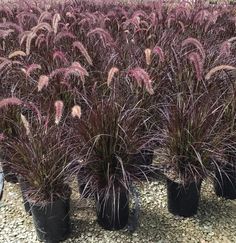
(148, 53)
(61, 56)
(10, 101)
(104, 35)
(142, 78)
(29, 39)
(196, 43)
(57, 72)
(17, 53)
(196, 60)
(42, 25)
(219, 68)
(83, 50)
(76, 69)
(158, 50)
(111, 74)
(39, 40)
(55, 21)
(31, 68)
(25, 124)
(59, 111)
(43, 82)
(76, 111)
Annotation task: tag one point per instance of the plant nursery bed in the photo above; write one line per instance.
(215, 221)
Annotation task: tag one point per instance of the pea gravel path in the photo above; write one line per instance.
(215, 221)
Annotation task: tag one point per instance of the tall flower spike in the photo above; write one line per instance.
(197, 44)
(17, 53)
(196, 60)
(55, 21)
(158, 50)
(148, 53)
(111, 74)
(59, 110)
(218, 68)
(10, 101)
(76, 111)
(43, 82)
(83, 50)
(142, 78)
(25, 124)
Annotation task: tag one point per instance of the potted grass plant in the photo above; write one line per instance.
(40, 156)
(108, 135)
(190, 148)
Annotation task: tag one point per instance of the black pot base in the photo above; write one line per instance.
(183, 201)
(225, 184)
(111, 217)
(52, 223)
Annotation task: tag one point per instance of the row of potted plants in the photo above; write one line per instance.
(94, 90)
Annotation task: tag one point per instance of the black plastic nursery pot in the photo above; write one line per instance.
(113, 214)
(23, 187)
(52, 222)
(183, 200)
(225, 182)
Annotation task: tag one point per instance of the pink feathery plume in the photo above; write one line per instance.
(142, 77)
(196, 60)
(10, 101)
(76, 111)
(59, 110)
(196, 43)
(43, 82)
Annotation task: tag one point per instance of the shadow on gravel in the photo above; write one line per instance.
(158, 224)
(215, 212)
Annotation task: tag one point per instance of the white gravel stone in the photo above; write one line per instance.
(215, 221)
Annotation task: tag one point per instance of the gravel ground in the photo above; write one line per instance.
(215, 221)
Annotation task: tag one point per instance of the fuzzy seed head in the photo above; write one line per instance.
(25, 124)
(43, 82)
(10, 101)
(76, 111)
(218, 68)
(148, 53)
(59, 110)
(17, 53)
(111, 74)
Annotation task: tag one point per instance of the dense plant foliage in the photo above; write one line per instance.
(157, 75)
